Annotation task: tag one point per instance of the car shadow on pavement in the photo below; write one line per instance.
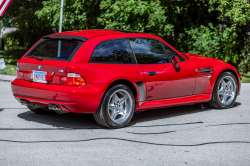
(87, 121)
(169, 112)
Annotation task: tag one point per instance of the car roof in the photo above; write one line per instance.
(92, 33)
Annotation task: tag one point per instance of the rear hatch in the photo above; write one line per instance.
(47, 61)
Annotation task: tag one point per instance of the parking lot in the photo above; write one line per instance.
(184, 135)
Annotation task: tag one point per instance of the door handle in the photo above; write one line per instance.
(151, 73)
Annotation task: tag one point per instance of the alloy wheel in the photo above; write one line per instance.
(227, 90)
(120, 106)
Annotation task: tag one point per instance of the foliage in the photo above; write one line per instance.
(214, 28)
(143, 16)
(246, 78)
(78, 14)
(236, 14)
(209, 41)
(10, 57)
(29, 27)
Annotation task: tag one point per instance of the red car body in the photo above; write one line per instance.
(167, 88)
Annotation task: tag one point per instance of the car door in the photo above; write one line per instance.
(162, 80)
(182, 80)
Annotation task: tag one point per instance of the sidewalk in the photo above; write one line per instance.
(8, 78)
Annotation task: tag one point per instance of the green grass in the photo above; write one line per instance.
(10, 70)
(245, 77)
(10, 58)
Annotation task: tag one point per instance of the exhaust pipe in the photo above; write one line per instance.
(24, 102)
(55, 108)
(27, 103)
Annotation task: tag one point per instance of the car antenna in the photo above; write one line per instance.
(54, 29)
(75, 28)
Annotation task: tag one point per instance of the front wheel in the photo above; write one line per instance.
(117, 107)
(225, 91)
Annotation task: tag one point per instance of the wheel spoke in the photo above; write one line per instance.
(122, 109)
(223, 84)
(122, 100)
(221, 91)
(224, 99)
(111, 106)
(229, 83)
(116, 98)
(113, 114)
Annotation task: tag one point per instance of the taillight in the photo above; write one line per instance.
(17, 67)
(19, 74)
(73, 79)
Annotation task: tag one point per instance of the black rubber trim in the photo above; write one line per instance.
(141, 91)
(125, 31)
(66, 37)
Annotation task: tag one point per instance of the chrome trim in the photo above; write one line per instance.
(204, 70)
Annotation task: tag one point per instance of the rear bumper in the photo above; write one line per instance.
(78, 99)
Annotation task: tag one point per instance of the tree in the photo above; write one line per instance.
(29, 27)
(215, 28)
(77, 13)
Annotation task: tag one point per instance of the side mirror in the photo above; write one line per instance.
(175, 61)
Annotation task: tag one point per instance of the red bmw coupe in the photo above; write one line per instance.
(113, 73)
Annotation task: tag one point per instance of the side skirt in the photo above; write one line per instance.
(174, 102)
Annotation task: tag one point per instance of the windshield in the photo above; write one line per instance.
(54, 49)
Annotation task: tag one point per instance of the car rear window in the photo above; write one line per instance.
(54, 49)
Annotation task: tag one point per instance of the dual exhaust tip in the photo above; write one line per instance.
(24, 102)
(53, 107)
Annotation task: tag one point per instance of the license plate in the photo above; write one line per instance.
(39, 76)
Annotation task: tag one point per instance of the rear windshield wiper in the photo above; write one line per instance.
(33, 56)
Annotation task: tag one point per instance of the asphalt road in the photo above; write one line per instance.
(185, 135)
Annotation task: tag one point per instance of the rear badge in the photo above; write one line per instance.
(61, 71)
(39, 67)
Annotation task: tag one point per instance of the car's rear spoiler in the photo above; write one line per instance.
(66, 37)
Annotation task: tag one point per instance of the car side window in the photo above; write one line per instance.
(148, 51)
(114, 52)
(170, 53)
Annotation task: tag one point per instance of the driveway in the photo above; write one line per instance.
(184, 135)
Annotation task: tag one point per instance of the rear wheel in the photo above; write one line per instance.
(117, 107)
(225, 91)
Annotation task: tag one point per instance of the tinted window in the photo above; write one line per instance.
(54, 49)
(113, 51)
(148, 51)
(170, 52)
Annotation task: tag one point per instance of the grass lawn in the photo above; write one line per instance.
(11, 57)
(245, 77)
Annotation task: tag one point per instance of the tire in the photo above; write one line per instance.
(117, 107)
(38, 110)
(225, 91)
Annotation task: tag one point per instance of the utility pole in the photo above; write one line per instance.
(61, 16)
(60, 29)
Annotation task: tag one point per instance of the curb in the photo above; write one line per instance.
(8, 78)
